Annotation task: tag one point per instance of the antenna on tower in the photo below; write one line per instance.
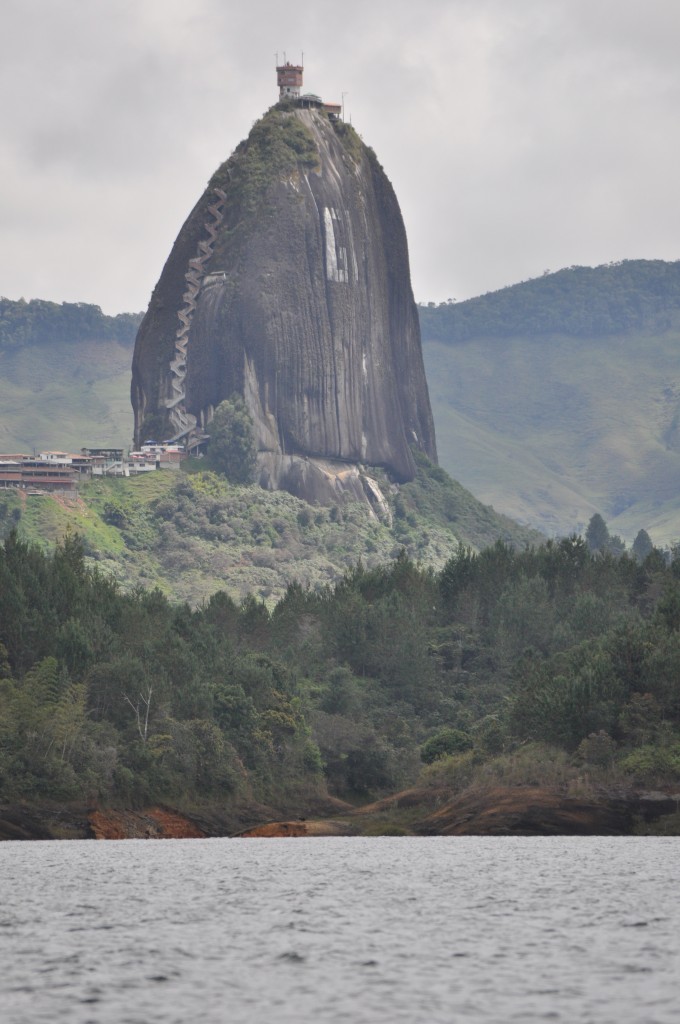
(277, 58)
(302, 61)
(343, 104)
(284, 57)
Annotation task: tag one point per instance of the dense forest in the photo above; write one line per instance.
(42, 323)
(582, 302)
(556, 664)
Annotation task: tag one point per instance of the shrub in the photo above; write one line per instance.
(456, 771)
(448, 741)
(652, 764)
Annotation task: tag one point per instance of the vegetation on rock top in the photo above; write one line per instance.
(277, 146)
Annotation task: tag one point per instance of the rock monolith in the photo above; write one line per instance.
(289, 285)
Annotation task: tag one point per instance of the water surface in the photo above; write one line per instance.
(361, 930)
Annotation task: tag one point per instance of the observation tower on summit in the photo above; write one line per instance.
(289, 79)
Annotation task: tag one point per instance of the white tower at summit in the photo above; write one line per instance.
(289, 80)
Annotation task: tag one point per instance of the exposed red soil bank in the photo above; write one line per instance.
(151, 823)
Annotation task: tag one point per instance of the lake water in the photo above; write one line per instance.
(355, 930)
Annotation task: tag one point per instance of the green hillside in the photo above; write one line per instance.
(192, 534)
(64, 376)
(560, 397)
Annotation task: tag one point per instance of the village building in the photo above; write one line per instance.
(58, 471)
(37, 476)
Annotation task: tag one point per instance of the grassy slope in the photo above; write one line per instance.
(552, 429)
(65, 395)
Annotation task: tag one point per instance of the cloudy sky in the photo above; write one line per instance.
(520, 135)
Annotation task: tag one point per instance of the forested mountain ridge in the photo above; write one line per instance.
(560, 397)
(581, 302)
(542, 410)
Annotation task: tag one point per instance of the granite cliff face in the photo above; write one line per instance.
(289, 284)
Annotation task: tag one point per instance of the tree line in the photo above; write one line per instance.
(582, 302)
(39, 322)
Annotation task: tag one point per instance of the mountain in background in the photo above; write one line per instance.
(560, 397)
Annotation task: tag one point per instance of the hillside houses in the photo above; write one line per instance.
(50, 472)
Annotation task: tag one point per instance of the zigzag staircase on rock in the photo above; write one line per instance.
(182, 421)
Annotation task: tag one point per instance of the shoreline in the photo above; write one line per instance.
(495, 811)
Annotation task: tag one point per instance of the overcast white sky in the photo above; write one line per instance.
(520, 135)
